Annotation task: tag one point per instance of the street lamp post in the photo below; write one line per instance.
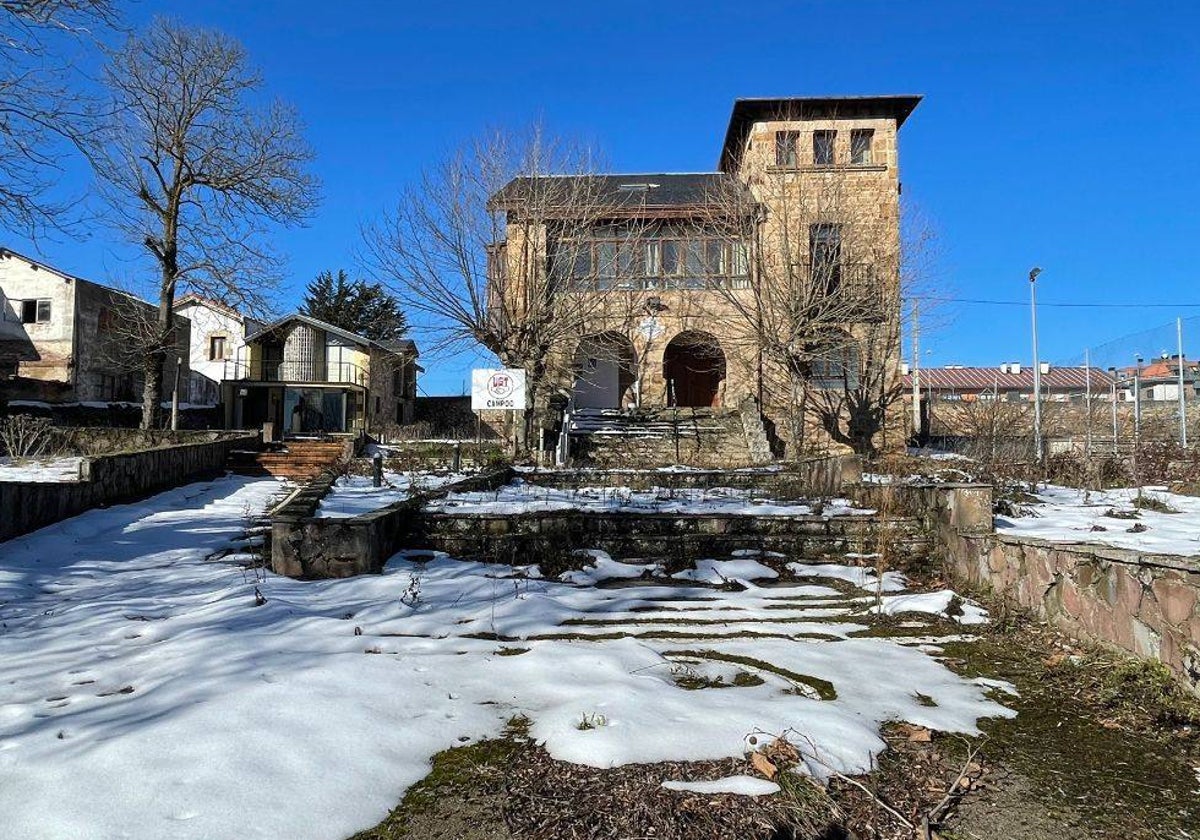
(1037, 367)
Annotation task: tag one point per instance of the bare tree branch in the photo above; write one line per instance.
(197, 171)
(42, 108)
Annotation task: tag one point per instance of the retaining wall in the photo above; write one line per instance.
(1145, 604)
(814, 478)
(550, 537)
(308, 547)
(28, 505)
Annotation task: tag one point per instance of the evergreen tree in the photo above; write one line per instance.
(354, 305)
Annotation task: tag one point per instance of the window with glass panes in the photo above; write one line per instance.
(666, 257)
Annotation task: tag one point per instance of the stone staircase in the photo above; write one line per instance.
(695, 437)
(298, 460)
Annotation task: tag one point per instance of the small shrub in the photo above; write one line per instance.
(591, 720)
(26, 436)
(1146, 502)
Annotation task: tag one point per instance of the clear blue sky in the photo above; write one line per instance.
(1057, 134)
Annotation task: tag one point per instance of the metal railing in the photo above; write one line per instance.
(268, 370)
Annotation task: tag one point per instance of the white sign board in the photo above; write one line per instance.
(497, 389)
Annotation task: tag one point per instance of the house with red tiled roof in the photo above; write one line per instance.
(1158, 379)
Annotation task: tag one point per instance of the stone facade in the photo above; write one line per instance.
(697, 341)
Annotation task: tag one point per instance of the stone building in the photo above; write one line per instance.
(66, 340)
(690, 282)
(309, 378)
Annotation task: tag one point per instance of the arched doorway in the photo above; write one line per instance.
(605, 370)
(694, 367)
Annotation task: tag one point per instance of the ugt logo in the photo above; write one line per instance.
(500, 386)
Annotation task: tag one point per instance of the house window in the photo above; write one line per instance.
(836, 367)
(825, 255)
(823, 147)
(860, 145)
(377, 404)
(35, 311)
(217, 347)
(787, 148)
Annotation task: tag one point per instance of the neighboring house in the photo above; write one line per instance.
(64, 339)
(1158, 381)
(1012, 382)
(218, 334)
(307, 377)
(672, 284)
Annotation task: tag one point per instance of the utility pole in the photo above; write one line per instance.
(1182, 403)
(1037, 367)
(916, 370)
(1087, 385)
(1137, 401)
(1112, 371)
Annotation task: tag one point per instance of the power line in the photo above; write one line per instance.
(1025, 303)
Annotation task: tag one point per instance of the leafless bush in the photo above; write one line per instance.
(26, 436)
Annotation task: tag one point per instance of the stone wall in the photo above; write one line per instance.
(309, 547)
(550, 537)
(1144, 604)
(813, 478)
(26, 505)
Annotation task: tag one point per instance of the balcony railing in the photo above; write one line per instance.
(259, 370)
(856, 286)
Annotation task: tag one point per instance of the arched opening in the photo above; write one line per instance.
(605, 371)
(694, 367)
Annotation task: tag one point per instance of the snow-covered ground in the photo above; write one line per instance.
(520, 496)
(143, 694)
(40, 469)
(352, 495)
(1068, 515)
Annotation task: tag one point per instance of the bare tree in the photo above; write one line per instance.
(41, 106)
(496, 247)
(823, 306)
(196, 169)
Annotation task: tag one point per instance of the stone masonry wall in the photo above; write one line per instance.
(27, 505)
(1144, 604)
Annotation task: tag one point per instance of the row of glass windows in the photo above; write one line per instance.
(824, 144)
(666, 259)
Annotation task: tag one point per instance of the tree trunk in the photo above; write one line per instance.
(152, 391)
(162, 337)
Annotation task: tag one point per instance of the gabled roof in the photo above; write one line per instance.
(200, 300)
(399, 347)
(627, 192)
(986, 378)
(9, 252)
(73, 278)
(746, 112)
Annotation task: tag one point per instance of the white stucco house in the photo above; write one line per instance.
(218, 333)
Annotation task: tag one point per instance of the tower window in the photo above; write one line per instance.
(823, 147)
(860, 145)
(787, 148)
